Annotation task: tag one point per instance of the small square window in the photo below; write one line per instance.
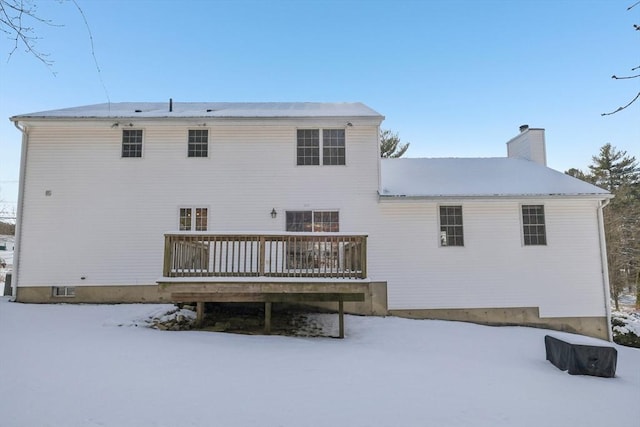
(193, 219)
(132, 143)
(198, 145)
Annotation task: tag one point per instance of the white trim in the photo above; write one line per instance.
(20, 208)
(605, 267)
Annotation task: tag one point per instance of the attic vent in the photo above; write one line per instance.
(138, 111)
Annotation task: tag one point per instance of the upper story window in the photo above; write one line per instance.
(333, 147)
(310, 144)
(327, 221)
(451, 232)
(533, 225)
(132, 143)
(198, 143)
(193, 219)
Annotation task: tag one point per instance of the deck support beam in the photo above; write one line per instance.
(267, 318)
(199, 313)
(341, 318)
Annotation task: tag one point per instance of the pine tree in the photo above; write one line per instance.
(612, 169)
(619, 173)
(390, 146)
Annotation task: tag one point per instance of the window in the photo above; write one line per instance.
(317, 253)
(327, 221)
(308, 147)
(533, 228)
(198, 143)
(332, 144)
(451, 226)
(193, 219)
(64, 291)
(132, 143)
(333, 147)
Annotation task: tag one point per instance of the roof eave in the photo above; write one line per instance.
(397, 197)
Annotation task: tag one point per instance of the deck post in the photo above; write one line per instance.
(199, 313)
(261, 256)
(166, 268)
(267, 318)
(341, 317)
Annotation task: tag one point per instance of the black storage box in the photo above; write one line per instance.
(580, 359)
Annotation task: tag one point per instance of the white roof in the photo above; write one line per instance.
(210, 109)
(478, 177)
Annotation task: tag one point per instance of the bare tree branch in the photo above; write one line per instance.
(16, 19)
(637, 27)
(625, 77)
(622, 108)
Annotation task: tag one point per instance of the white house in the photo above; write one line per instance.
(273, 202)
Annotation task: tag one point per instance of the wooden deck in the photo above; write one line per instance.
(267, 268)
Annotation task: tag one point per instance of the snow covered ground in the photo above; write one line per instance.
(89, 365)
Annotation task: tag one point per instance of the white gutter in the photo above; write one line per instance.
(23, 172)
(605, 266)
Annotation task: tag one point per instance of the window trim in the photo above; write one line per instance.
(208, 142)
(522, 225)
(321, 145)
(193, 209)
(439, 213)
(142, 143)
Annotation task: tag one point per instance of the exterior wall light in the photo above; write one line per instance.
(274, 213)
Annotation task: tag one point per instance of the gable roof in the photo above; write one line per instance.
(209, 109)
(478, 177)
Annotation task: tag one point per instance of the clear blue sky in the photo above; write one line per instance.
(454, 78)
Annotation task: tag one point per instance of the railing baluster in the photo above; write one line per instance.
(287, 255)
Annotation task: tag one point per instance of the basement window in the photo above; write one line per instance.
(64, 291)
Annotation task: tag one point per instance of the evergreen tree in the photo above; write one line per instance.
(612, 169)
(619, 173)
(390, 146)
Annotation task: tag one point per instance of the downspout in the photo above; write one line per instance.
(605, 266)
(21, 184)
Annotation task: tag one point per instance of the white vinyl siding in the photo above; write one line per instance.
(110, 214)
(493, 269)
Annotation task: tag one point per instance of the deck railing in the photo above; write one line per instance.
(304, 255)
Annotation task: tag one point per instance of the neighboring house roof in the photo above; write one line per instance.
(478, 177)
(209, 109)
